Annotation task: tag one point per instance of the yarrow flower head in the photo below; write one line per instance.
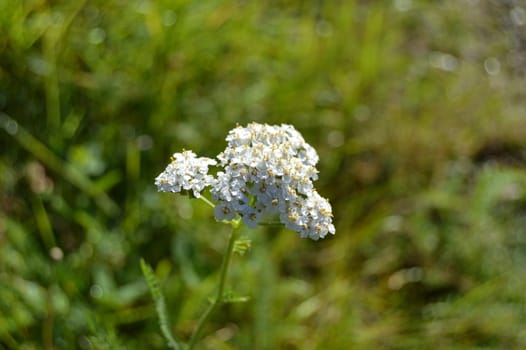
(186, 172)
(265, 171)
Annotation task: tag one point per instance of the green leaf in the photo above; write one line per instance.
(160, 305)
(242, 245)
(231, 298)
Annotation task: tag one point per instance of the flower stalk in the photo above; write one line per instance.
(234, 233)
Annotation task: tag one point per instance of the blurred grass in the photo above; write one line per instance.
(416, 108)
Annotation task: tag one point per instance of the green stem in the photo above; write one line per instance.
(207, 201)
(222, 278)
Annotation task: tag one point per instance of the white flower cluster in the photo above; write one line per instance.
(266, 171)
(186, 172)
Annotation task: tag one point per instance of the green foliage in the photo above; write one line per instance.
(415, 107)
(160, 305)
(242, 246)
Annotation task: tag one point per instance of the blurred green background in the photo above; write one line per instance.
(418, 112)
